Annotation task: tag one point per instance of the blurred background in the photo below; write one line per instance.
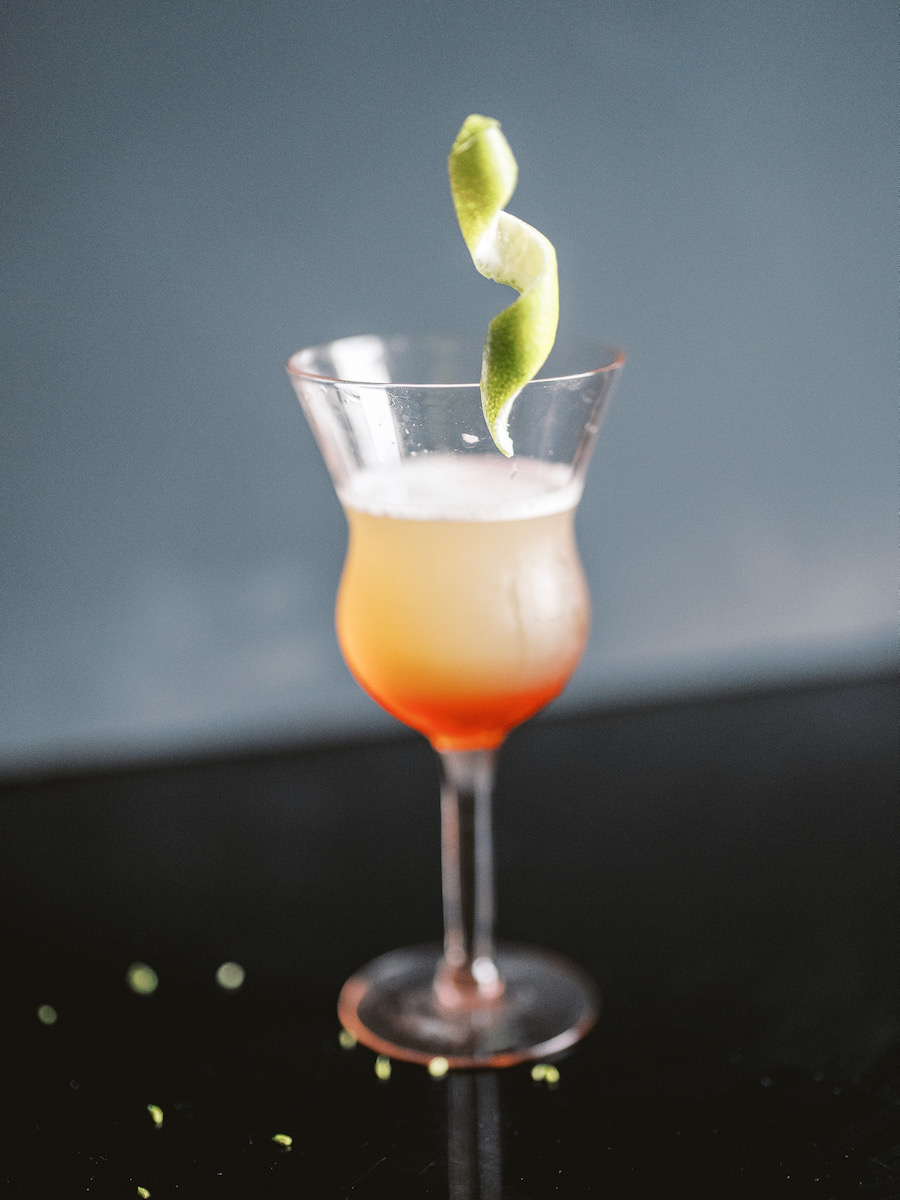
(192, 191)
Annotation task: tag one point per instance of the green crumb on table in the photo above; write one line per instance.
(47, 1014)
(346, 1039)
(438, 1067)
(383, 1067)
(545, 1073)
(156, 1113)
(142, 979)
(143, 1193)
(230, 976)
(283, 1139)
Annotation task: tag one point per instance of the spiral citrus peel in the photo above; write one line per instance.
(483, 176)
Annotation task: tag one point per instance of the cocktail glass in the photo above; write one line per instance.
(462, 610)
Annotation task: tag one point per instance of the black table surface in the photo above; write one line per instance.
(726, 868)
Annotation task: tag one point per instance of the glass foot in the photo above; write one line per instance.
(547, 1004)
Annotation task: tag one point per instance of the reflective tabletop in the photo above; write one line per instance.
(726, 869)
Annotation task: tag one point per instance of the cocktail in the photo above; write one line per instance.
(462, 610)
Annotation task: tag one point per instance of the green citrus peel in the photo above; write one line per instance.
(483, 176)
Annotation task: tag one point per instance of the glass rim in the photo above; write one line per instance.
(616, 355)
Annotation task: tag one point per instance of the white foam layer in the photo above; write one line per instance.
(473, 487)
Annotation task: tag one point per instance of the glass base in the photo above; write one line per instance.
(547, 1004)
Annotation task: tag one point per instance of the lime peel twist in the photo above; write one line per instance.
(483, 175)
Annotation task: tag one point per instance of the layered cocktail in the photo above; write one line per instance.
(462, 610)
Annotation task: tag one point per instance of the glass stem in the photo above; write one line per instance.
(467, 976)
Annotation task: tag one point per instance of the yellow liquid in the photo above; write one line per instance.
(463, 628)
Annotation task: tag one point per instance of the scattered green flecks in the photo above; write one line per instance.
(438, 1067)
(383, 1067)
(346, 1039)
(142, 979)
(283, 1139)
(47, 1014)
(156, 1113)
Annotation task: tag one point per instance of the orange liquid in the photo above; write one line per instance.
(462, 628)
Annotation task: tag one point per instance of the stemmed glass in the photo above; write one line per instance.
(462, 610)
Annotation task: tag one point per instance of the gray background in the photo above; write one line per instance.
(191, 191)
